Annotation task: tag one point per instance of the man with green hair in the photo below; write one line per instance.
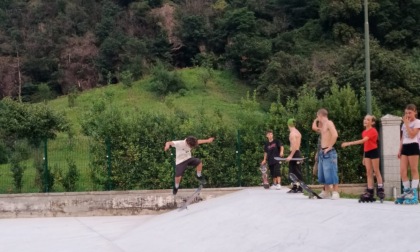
(295, 139)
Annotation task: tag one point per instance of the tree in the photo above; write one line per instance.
(284, 74)
(32, 122)
(249, 55)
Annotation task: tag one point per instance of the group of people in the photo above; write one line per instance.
(326, 157)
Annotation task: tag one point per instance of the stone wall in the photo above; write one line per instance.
(98, 203)
(113, 202)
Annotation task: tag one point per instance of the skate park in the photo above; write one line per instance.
(244, 219)
(250, 219)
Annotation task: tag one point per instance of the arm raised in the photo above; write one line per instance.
(204, 141)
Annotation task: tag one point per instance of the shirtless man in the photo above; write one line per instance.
(327, 156)
(294, 166)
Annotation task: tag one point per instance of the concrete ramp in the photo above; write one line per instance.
(248, 220)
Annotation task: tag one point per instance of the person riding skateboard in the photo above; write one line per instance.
(184, 159)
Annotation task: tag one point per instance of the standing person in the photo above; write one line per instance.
(327, 156)
(409, 155)
(370, 158)
(184, 159)
(273, 148)
(316, 126)
(295, 139)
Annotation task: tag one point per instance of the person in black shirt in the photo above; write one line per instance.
(273, 148)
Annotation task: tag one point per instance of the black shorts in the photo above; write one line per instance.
(372, 154)
(411, 149)
(180, 168)
(275, 170)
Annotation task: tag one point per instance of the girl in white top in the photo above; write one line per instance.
(409, 155)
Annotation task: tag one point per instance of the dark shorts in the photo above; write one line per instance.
(411, 149)
(372, 154)
(180, 168)
(295, 167)
(275, 170)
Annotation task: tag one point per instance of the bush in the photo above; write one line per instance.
(71, 177)
(126, 78)
(164, 82)
(17, 170)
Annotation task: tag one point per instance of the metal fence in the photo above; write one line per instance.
(65, 164)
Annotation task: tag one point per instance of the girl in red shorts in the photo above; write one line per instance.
(370, 159)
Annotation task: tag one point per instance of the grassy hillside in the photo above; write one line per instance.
(221, 94)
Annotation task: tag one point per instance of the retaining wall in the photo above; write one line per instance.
(111, 202)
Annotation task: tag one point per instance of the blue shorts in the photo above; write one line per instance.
(327, 167)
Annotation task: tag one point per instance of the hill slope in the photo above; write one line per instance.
(221, 94)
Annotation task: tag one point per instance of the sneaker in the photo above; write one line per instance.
(278, 187)
(273, 186)
(325, 195)
(201, 179)
(174, 191)
(335, 195)
(299, 190)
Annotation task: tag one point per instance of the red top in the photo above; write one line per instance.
(372, 142)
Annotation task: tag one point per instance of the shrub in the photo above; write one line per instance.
(164, 82)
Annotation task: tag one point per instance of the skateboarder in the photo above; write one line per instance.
(327, 156)
(184, 158)
(294, 166)
(370, 158)
(409, 155)
(273, 148)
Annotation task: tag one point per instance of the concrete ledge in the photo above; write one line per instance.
(98, 203)
(140, 202)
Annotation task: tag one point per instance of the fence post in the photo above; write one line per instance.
(173, 153)
(109, 163)
(305, 140)
(238, 158)
(46, 173)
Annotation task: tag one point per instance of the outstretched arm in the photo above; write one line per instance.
(361, 141)
(204, 141)
(168, 145)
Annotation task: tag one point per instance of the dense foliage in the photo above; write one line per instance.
(271, 44)
(134, 142)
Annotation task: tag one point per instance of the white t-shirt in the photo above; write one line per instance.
(413, 125)
(183, 151)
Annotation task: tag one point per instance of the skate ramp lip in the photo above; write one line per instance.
(252, 219)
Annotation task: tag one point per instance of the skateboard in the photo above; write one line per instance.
(191, 198)
(299, 160)
(312, 194)
(263, 169)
